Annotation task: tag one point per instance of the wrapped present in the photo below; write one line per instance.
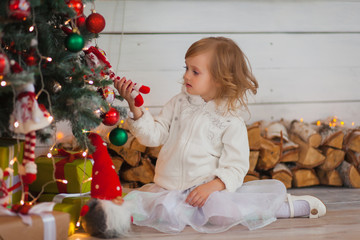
(11, 149)
(38, 225)
(69, 203)
(69, 166)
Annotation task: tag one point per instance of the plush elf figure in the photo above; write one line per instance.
(27, 117)
(105, 215)
(95, 58)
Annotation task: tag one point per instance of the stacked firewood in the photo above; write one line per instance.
(302, 154)
(298, 154)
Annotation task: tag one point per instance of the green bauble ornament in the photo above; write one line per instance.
(74, 42)
(118, 136)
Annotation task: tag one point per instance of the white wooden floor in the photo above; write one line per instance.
(341, 222)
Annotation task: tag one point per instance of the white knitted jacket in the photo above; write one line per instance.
(199, 143)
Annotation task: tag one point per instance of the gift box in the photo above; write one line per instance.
(69, 166)
(52, 225)
(69, 203)
(9, 150)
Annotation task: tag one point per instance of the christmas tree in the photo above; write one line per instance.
(48, 72)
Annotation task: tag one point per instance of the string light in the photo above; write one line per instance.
(16, 124)
(3, 83)
(318, 123)
(49, 155)
(91, 82)
(353, 124)
(84, 154)
(12, 161)
(50, 118)
(31, 28)
(301, 120)
(62, 181)
(88, 180)
(78, 224)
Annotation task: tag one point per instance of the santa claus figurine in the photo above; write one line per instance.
(106, 214)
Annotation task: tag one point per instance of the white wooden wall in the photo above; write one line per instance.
(305, 54)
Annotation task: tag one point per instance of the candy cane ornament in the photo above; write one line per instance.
(96, 57)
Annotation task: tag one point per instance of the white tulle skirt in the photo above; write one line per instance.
(253, 205)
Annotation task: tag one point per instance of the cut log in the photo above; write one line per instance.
(307, 133)
(333, 158)
(331, 136)
(353, 158)
(132, 157)
(136, 146)
(352, 140)
(349, 175)
(282, 173)
(251, 176)
(276, 131)
(254, 136)
(153, 152)
(329, 178)
(269, 155)
(125, 184)
(254, 157)
(143, 173)
(304, 177)
(309, 157)
(290, 155)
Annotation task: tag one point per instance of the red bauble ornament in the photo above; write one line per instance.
(77, 5)
(111, 117)
(95, 23)
(80, 21)
(4, 64)
(19, 9)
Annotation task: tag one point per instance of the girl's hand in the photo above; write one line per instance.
(200, 194)
(125, 88)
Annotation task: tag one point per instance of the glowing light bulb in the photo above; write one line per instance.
(49, 59)
(88, 180)
(3, 83)
(12, 161)
(16, 124)
(59, 135)
(342, 123)
(91, 82)
(50, 118)
(318, 123)
(353, 124)
(78, 224)
(62, 181)
(301, 120)
(84, 154)
(22, 202)
(31, 28)
(49, 155)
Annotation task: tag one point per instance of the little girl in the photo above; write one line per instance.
(200, 170)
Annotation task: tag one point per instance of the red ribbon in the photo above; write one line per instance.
(59, 171)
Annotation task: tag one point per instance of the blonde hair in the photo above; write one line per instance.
(229, 68)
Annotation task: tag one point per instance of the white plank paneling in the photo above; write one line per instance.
(230, 16)
(166, 52)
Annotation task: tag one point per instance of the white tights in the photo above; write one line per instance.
(301, 208)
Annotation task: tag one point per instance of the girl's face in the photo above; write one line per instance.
(197, 79)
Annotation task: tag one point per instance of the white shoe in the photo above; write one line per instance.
(317, 207)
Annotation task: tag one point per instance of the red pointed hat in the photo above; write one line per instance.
(105, 181)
